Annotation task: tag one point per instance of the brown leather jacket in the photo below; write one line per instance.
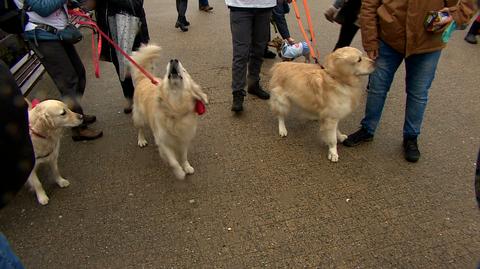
(399, 23)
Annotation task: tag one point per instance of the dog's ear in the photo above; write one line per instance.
(199, 94)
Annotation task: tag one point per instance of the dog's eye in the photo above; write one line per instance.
(63, 112)
(359, 59)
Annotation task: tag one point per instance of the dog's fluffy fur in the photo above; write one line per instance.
(327, 95)
(47, 122)
(167, 108)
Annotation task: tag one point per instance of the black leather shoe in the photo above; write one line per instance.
(257, 90)
(237, 104)
(206, 8)
(181, 25)
(410, 148)
(89, 119)
(358, 138)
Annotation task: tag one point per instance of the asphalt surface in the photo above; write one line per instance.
(257, 200)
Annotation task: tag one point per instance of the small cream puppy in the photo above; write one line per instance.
(325, 94)
(168, 109)
(47, 121)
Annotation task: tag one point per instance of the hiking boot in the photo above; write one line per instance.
(182, 23)
(89, 119)
(410, 148)
(85, 133)
(205, 8)
(471, 38)
(237, 104)
(257, 90)
(269, 54)
(357, 138)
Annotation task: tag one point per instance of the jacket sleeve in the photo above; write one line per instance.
(463, 11)
(369, 24)
(45, 7)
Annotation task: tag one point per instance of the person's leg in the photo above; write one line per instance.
(8, 259)
(204, 5)
(127, 86)
(471, 36)
(380, 81)
(241, 23)
(64, 74)
(347, 33)
(260, 37)
(182, 10)
(420, 71)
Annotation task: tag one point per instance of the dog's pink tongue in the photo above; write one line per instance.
(35, 102)
(200, 107)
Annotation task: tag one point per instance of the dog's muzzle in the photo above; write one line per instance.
(174, 70)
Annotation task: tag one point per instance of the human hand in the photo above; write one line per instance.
(330, 13)
(291, 41)
(373, 54)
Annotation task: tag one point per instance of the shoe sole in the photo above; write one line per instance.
(85, 138)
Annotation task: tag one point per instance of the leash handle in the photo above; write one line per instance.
(89, 22)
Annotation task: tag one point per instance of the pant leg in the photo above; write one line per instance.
(380, 81)
(475, 28)
(203, 2)
(63, 72)
(241, 23)
(8, 259)
(182, 8)
(17, 158)
(78, 66)
(260, 37)
(127, 84)
(420, 71)
(347, 33)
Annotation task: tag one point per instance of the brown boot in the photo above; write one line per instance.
(85, 133)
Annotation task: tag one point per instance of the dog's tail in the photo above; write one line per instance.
(144, 57)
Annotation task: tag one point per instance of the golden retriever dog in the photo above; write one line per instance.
(325, 94)
(47, 121)
(167, 108)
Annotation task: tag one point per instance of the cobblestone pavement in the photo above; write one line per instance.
(257, 200)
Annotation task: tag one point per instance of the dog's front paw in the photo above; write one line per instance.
(342, 137)
(179, 173)
(188, 169)
(63, 183)
(42, 199)
(333, 156)
(142, 143)
(282, 132)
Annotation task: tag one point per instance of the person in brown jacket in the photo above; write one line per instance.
(393, 32)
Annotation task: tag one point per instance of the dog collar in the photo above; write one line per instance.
(200, 107)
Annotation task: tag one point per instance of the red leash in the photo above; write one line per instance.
(96, 54)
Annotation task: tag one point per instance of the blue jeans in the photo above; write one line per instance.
(203, 2)
(420, 71)
(8, 259)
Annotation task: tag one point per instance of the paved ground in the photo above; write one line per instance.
(257, 200)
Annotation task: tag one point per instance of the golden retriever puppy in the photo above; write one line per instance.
(326, 94)
(167, 108)
(47, 121)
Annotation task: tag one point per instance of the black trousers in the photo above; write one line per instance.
(127, 84)
(66, 69)
(347, 33)
(250, 34)
(16, 151)
(182, 8)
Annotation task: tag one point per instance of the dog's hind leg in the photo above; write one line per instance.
(281, 107)
(328, 131)
(169, 155)
(35, 184)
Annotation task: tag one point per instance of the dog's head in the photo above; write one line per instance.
(276, 43)
(53, 114)
(348, 61)
(177, 79)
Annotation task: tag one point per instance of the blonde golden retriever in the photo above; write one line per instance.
(47, 121)
(167, 108)
(326, 94)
